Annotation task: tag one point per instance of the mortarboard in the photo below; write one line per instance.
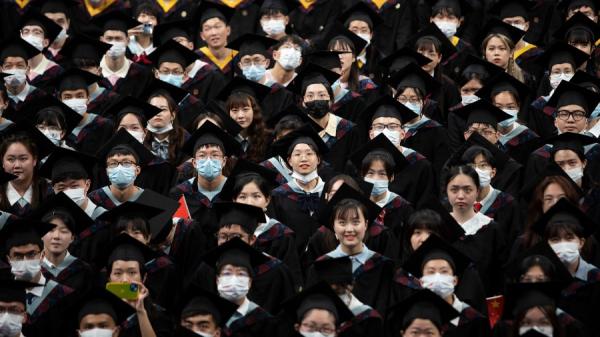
(423, 304)
(512, 8)
(173, 52)
(304, 135)
(129, 104)
(335, 270)
(237, 253)
(43, 144)
(497, 26)
(285, 6)
(126, 248)
(538, 252)
(346, 192)
(475, 66)
(31, 111)
(502, 82)
(401, 58)
(432, 33)
(564, 212)
(379, 143)
(562, 52)
(210, 134)
(571, 141)
(360, 11)
(61, 202)
(318, 296)
(12, 290)
(435, 248)
(568, 93)
(169, 30)
(34, 18)
(578, 21)
(247, 216)
(67, 163)
(312, 74)
(244, 168)
(22, 232)
(100, 301)
(198, 301)
(482, 111)
(251, 44)
(241, 84)
(522, 296)
(81, 47)
(208, 10)
(115, 20)
(123, 138)
(413, 76)
(325, 58)
(17, 47)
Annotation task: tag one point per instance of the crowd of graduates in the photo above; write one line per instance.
(316, 168)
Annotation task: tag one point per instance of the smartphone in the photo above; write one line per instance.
(147, 28)
(124, 290)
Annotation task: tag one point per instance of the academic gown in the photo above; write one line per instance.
(100, 100)
(181, 10)
(10, 14)
(103, 197)
(72, 272)
(133, 84)
(163, 282)
(349, 106)
(519, 142)
(504, 209)
(159, 318)
(447, 97)
(39, 186)
(225, 67)
(572, 326)
(206, 83)
(33, 95)
(452, 63)
(577, 300)
(312, 22)
(246, 18)
(342, 145)
(256, 322)
(41, 81)
(395, 215)
(366, 321)
(46, 314)
(398, 25)
(189, 244)
(92, 136)
(276, 101)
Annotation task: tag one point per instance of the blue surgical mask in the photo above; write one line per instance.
(120, 176)
(596, 112)
(508, 122)
(176, 80)
(342, 91)
(254, 72)
(415, 107)
(380, 186)
(208, 169)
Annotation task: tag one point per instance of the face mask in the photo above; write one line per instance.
(78, 105)
(254, 72)
(448, 28)
(96, 332)
(468, 99)
(54, 136)
(203, 334)
(273, 27)
(567, 252)
(305, 178)
(10, 324)
(546, 330)
(596, 112)
(366, 37)
(289, 58)
(414, 107)
(121, 177)
(484, 177)
(392, 136)
(76, 194)
(317, 108)
(117, 50)
(35, 41)
(575, 174)
(508, 122)
(441, 284)
(138, 135)
(208, 169)
(556, 78)
(172, 79)
(25, 270)
(233, 288)
(160, 131)
(519, 26)
(62, 35)
(380, 186)
(16, 79)
(315, 334)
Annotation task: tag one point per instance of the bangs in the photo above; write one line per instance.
(579, 36)
(562, 229)
(239, 100)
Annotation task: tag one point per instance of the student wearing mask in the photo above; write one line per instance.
(287, 57)
(140, 43)
(13, 300)
(582, 33)
(101, 313)
(59, 12)
(274, 17)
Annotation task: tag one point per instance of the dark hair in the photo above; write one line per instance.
(51, 116)
(244, 179)
(140, 117)
(344, 44)
(146, 8)
(447, 11)
(292, 38)
(176, 135)
(537, 261)
(134, 223)
(513, 93)
(79, 62)
(348, 180)
(462, 169)
(471, 153)
(256, 132)
(378, 155)
(549, 311)
(400, 90)
(429, 42)
(273, 11)
(205, 115)
(579, 35)
(422, 219)
(287, 123)
(123, 150)
(62, 215)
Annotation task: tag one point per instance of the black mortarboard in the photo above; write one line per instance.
(472, 65)
(512, 8)
(290, 110)
(251, 44)
(475, 139)
(211, 134)
(503, 82)
(538, 252)
(401, 58)
(497, 26)
(578, 21)
(387, 106)
(451, 231)
(245, 168)
(65, 162)
(458, 6)
(312, 74)
(423, 304)
(160, 224)
(565, 212)
(242, 84)
(34, 18)
(347, 192)
(325, 58)
(131, 210)
(56, 6)
(571, 141)
(22, 232)
(431, 32)
(123, 138)
(522, 296)
(237, 253)
(126, 248)
(155, 85)
(208, 10)
(169, 30)
(229, 124)
(29, 112)
(247, 216)
(198, 301)
(550, 170)
(304, 135)
(568, 93)
(360, 11)
(43, 144)
(336, 30)
(414, 77)
(6, 177)
(81, 47)
(115, 20)
(318, 296)
(17, 47)
(583, 79)
(334, 271)
(435, 248)
(379, 143)
(573, 4)
(61, 202)
(129, 104)
(562, 52)
(172, 51)
(74, 79)
(285, 6)
(482, 111)
(100, 301)
(14, 290)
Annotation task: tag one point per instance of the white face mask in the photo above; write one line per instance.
(546, 330)
(392, 136)
(203, 334)
(305, 178)
(25, 270)
(233, 288)
(567, 252)
(35, 41)
(447, 27)
(117, 50)
(96, 332)
(380, 186)
(76, 194)
(289, 58)
(10, 324)
(61, 36)
(441, 284)
(555, 79)
(576, 174)
(53, 135)
(78, 105)
(519, 26)
(17, 77)
(366, 37)
(468, 99)
(138, 135)
(485, 176)
(315, 334)
(159, 131)
(273, 27)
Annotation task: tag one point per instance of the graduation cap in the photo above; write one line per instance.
(17, 47)
(435, 248)
(115, 20)
(522, 296)
(61, 202)
(29, 113)
(81, 47)
(402, 57)
(483, 112)
(101, 301)
(380, 143)
(512, 8)
(571, 141)
(198, 301)
(12, 290)
(251, 44)
(130, 210)
(562, 52)
(387, 106)
(423, 304)
(21, 232)
(6, 177)
(312, 74)
(414, 77)
(285, 6)
(237, 253)
(586, 80)
(169, 30)
(304, 135)
(229, 124)
(475, 66)
(346, 192)
(565, 212)
(451, 231)
(161, 223)
(334, 271)
(550, 170)
(208, 10)
(360, 11)
(129, 104)
(502, 82)
(123, 138)
(290, 110)
(318, 296)
(538, 252)
(568, 93)
(34, 18)
(74, 79)
(210, 134)
(244, 85)
(67, 163)
(337, 31)
(475, 139)
(178, 94)
(43, 144)
(172, 51)
(458, 6)
(325, 58)
(578, 21)
(126, 248)
(573, 4)
(497, 26)
(247, 216)
(245, 168)
(431, 32)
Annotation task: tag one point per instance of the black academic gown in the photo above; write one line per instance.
(161, 322)
(206, 84)
(311, 22)
(46, 314)
(73, 272)
(93, 136)
(398, 25)
(342, 145)
(133, 84)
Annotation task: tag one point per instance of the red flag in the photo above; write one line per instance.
(183, 212)
(495, 306)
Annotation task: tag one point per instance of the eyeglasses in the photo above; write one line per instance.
(413, 100)
(213, 156)
(564, 115)
(381, 127)
(125, 163)
(27, 256)
(326, 330)
(250, 62)
(167, 72)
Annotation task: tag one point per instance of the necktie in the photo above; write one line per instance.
(477, 207)
(29, 297)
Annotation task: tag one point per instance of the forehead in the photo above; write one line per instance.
(209, 148)
(170, 65)
(358, 24)
(121, 264)
(12, 304)
(386, 120)
(437, 263)
(121, 157)
(565, 155)
(316, 87)
(462, 180)
(302, 147)
(212, 22)
(14, 59)
(232, 268)
(571, 107)
(32, 26)
(97, 319)
(21, 249)
(114, 33)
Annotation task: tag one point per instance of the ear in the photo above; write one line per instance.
(268, 63)
(466, 135)
(228, 30)
(252, 240)
(297, 327)
(527, 25)
(117, 331)
(454, 280)
(224, 162)
(138, 170)
(581, 243)
(584, 163)
(493, 173)
(286, 20)
(45, 43)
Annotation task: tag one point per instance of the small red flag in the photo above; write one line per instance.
(495, 306)
(183, 212)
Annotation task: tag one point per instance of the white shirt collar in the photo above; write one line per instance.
(595, 130)
(52, 265)
(487, 196)
(41, 67)
(14, 196)
(243, 309)
(473, 225)
(106, 72)
(20, 97)
(197, 65)
(459, 306)
(39, 290)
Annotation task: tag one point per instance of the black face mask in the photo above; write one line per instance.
(317, 108)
